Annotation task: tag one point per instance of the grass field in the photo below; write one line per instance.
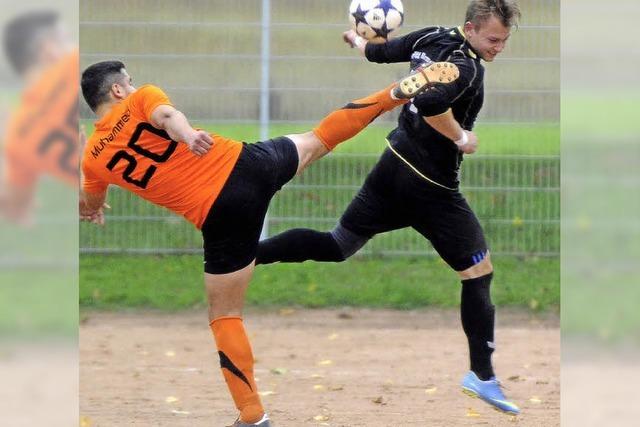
(528, 218)
(175, 282)
(600, 228)
(37, 303)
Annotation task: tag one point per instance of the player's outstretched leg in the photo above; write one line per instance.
(348, 121)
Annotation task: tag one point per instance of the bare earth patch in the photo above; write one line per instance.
(343, 367)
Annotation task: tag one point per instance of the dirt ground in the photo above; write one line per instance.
(39, 383)
(336, 368)
(599, 383)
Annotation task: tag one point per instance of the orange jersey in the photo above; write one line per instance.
(42, 135)
(126, 150)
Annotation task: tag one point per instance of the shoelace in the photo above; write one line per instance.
(500, 384)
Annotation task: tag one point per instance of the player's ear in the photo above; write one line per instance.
(117, 91)
(469, 27)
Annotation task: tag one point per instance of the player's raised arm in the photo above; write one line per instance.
(435, 105)
(447, 125)
(175, 123)
(394, 50)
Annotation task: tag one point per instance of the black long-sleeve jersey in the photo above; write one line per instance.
(428, 151)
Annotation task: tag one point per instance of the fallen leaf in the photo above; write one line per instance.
(266, 393)
(431, 390)
(85, 421)
(321, 418)
(171, 399)
(379, 400)
(535, 399)
(336, 388)
(318, 387)
(534, 304)
(332, 337)
(514, 378)
(279, 371)
(345, 316)
(180, 412)
(286, 311)
(170, 353)
(471, 413)
(325, 362)
(316, 376)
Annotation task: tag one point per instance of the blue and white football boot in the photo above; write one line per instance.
(489, 391)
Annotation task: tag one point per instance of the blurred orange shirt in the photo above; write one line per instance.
(42, 134)
(126, 150)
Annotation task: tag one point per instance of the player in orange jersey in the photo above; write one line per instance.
(145, 145)
(41, 136)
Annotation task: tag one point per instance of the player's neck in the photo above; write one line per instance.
(103, 109)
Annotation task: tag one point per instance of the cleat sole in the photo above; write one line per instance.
(424, 78)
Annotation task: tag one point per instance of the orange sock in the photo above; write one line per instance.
(236, 361)
(346, 122)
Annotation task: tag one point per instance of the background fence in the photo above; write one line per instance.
(213, 61)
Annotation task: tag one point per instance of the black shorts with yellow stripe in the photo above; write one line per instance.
(394, 197)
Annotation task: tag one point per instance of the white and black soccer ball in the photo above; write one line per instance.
(376, 20)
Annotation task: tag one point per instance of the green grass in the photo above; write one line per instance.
(600, 232)
(175, 282)
(39, 267)
(36, 303)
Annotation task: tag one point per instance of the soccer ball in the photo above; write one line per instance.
(376, 20)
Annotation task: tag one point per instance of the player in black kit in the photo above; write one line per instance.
(415, 182)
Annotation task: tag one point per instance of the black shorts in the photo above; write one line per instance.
(394, 196)
(232, 228)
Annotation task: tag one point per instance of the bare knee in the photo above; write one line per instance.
(225, 292)
(480, 269)
(309, 147)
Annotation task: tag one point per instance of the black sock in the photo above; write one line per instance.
(298, 245)
(478, 316)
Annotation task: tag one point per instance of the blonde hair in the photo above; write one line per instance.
(507, 11)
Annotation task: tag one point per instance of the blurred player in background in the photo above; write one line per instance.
(145, 145)
(41, 135)
(415, 182)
